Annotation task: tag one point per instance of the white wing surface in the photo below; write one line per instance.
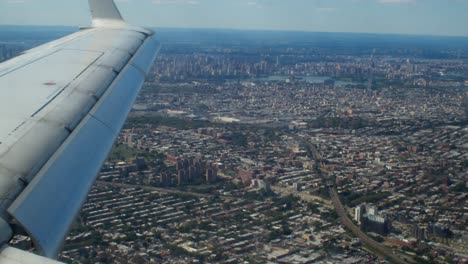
(61, 107)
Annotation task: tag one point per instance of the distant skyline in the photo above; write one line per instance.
(427, 17)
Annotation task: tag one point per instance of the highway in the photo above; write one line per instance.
(362, 236)
(376, 247)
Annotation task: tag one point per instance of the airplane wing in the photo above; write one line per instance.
(62, 105)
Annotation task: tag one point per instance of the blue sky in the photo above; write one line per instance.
(433, 17)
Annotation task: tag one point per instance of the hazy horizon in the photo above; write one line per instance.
(246, 30)
(407, 17)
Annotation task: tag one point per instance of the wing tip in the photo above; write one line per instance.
(104, 9)
(105, 14)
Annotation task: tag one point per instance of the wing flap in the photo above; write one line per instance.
(70, 171)
(73, 168)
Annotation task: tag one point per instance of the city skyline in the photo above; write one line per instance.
(431, 17)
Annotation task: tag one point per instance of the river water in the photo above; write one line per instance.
(309, 79)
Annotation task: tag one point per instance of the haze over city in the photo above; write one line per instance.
(429, 17)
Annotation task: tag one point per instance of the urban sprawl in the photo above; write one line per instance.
(271, 153)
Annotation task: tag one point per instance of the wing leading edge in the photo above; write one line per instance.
(64, 124)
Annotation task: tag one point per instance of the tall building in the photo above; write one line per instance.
(374, 223)
(359, 212)
(195, 169)
(182, 177)
(166, 179)
(371, 210)
(211, 175)
(418, 232)
(259, 184)
(438, 230)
